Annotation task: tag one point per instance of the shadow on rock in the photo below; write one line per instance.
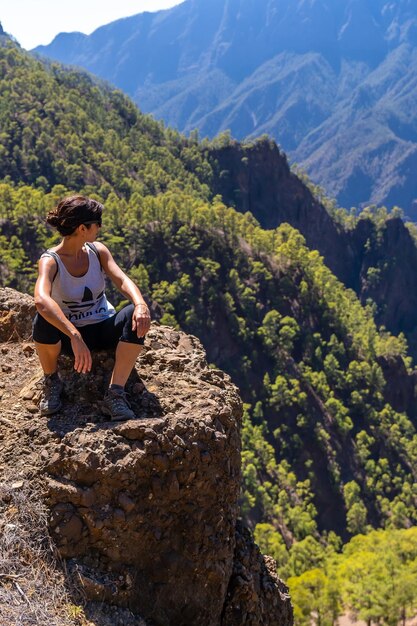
(83, 395)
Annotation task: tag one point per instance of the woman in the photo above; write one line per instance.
(73, 313)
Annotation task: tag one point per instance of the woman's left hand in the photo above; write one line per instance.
(141, 319)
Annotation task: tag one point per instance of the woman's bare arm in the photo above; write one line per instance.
(45, 305)
(49, 309)
(141, 320)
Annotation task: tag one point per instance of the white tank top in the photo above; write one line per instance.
(81, 298)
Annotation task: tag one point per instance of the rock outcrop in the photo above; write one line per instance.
(252, 596)
(145, 512)
(378, 262)
(16, 313)
(257, 178)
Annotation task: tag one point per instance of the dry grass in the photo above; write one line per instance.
(35, 589)
(32, 583)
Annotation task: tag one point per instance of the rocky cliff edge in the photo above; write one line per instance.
(145, 512)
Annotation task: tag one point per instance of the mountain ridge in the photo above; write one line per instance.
(267, 309)
(329, 427)
(249, 67)
(257, 178)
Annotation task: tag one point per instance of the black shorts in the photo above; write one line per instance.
(100, 336)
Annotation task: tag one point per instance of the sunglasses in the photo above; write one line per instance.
(98, 222)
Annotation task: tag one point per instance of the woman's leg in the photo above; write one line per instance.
(117, 332)
(48, 354)
(116, 404)
(125, 359)
(48, 342)
(52, 386)
(128, 347)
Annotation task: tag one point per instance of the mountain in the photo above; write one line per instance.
(373, 256)
(330, 397)
(51, 136)
(333, 82)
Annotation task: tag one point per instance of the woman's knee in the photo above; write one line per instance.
(43, 332)
(128, 334)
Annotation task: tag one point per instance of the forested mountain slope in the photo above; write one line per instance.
(329, 439)
(375, 257)
(107, 145)
(333, 82)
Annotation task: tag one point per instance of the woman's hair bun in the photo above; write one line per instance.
(52, 219)
(73, 211)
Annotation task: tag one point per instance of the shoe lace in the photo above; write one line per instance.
(119, 401)
(51, 388)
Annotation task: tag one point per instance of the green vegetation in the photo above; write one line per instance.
(62, 127)
(373, 578)
(324, 453)
(300, 346)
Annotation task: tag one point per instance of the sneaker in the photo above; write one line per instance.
(117, 406)
(52, 387)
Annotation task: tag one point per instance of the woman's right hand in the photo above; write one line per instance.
(82, 355)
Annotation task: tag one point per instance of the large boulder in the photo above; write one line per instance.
(145, 512)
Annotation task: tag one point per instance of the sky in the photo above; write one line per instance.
(35, 22)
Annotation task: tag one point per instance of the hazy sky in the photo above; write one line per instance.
(34, 22)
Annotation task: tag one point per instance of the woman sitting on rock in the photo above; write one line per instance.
(73, 313)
